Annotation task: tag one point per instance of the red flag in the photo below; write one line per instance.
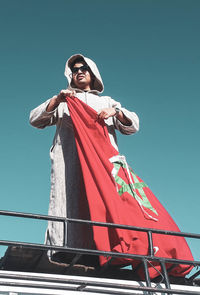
(117, 195)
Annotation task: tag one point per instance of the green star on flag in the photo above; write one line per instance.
(130, 188)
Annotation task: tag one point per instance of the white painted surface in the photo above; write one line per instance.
(38, 283)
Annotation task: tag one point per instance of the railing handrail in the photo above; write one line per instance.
(142, 258)
(97, 223)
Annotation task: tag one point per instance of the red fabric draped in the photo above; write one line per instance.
(115, 194)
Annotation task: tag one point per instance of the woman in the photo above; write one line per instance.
(66, 200)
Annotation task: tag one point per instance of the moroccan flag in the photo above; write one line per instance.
(115, 194)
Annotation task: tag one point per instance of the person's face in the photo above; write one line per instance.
(81, 76)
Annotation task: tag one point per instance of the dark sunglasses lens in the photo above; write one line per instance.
(84, 68)
(75, 70)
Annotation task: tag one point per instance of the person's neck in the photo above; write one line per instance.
(86, 89)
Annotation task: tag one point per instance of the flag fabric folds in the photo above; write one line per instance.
(115, 194)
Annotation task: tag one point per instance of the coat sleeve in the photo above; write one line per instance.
(40, 118)
(133, 128)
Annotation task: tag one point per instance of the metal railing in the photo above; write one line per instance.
(145, 259)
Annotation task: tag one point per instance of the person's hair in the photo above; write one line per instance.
(77, 60)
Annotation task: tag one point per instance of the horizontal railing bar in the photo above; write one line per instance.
(90, 289)
(75, 281)
(137, 228)
(97, 252)
(32, 215)
(67, 280)
(149, 257)
(60, 288)
(96, 223)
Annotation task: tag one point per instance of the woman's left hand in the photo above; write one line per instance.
(106, 113)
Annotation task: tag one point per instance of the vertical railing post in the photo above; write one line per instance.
(165, 274)
(65, 223)
(150, 239)
(147, 276)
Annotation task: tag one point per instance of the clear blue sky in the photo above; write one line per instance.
(148, 53)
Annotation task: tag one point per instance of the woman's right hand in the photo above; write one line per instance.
(57, 99)
(61, 97)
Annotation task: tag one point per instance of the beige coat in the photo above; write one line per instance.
(65, 172)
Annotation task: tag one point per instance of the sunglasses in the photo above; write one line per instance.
(83, 69)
